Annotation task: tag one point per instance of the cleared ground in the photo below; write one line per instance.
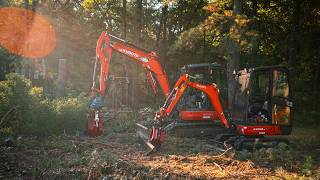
(117, 154)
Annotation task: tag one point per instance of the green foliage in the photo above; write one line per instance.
(108, 156)
(58, 116)
(189, 31)
(121, 122)
(306, 166)
(26, 110)
(14, 102)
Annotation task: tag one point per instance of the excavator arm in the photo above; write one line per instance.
(149, 60)
(183, 82)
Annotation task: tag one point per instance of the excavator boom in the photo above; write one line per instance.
(148, 60)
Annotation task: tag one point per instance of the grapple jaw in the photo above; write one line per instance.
(95, 123)
(152, 138)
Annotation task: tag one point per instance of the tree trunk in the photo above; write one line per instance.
(124, 18)
(62, 77)
(164, 47)
(237, 7)
(293, 44)
(159, 34)
(34, 5)
(165, 17)
(234, 58)
(232, 67)
(26, 4)
(316, 81)
(254, 8)
(164, 12)
(204, 45)
(45, 75)
(139, 17)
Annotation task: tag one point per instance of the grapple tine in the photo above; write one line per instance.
(144, 134)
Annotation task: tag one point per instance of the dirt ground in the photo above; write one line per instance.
(117, 155)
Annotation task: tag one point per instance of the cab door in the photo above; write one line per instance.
(281, 102)
(259, 102)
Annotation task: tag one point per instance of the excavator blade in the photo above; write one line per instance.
(144, 134)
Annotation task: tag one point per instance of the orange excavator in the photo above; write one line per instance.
(162, 117)
(261, 108)
(106, 44)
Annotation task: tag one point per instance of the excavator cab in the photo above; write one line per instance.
(262, 104)
(207, 73)
(195, 104)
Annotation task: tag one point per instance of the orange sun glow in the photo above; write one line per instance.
(26, 33)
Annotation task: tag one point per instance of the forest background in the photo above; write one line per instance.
(237, 34)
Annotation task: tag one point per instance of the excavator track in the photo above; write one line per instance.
(213, 134)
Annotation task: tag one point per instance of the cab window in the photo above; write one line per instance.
(280, 84)
(260, 85)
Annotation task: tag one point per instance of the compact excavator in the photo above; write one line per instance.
(106, 45)
(261, 109)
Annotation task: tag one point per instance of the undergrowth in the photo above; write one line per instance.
(25, 110)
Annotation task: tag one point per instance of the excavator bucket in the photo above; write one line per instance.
(152, 138)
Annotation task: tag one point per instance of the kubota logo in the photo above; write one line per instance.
(258, 129)
(129, 53)
(201, 86)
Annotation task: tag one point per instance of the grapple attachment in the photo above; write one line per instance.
(95, 123)
(152, 138)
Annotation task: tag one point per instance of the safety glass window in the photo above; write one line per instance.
(260, 85)
(280, 84)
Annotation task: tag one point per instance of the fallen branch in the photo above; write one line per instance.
(217, 165)
(7, 113)
(223, 153)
